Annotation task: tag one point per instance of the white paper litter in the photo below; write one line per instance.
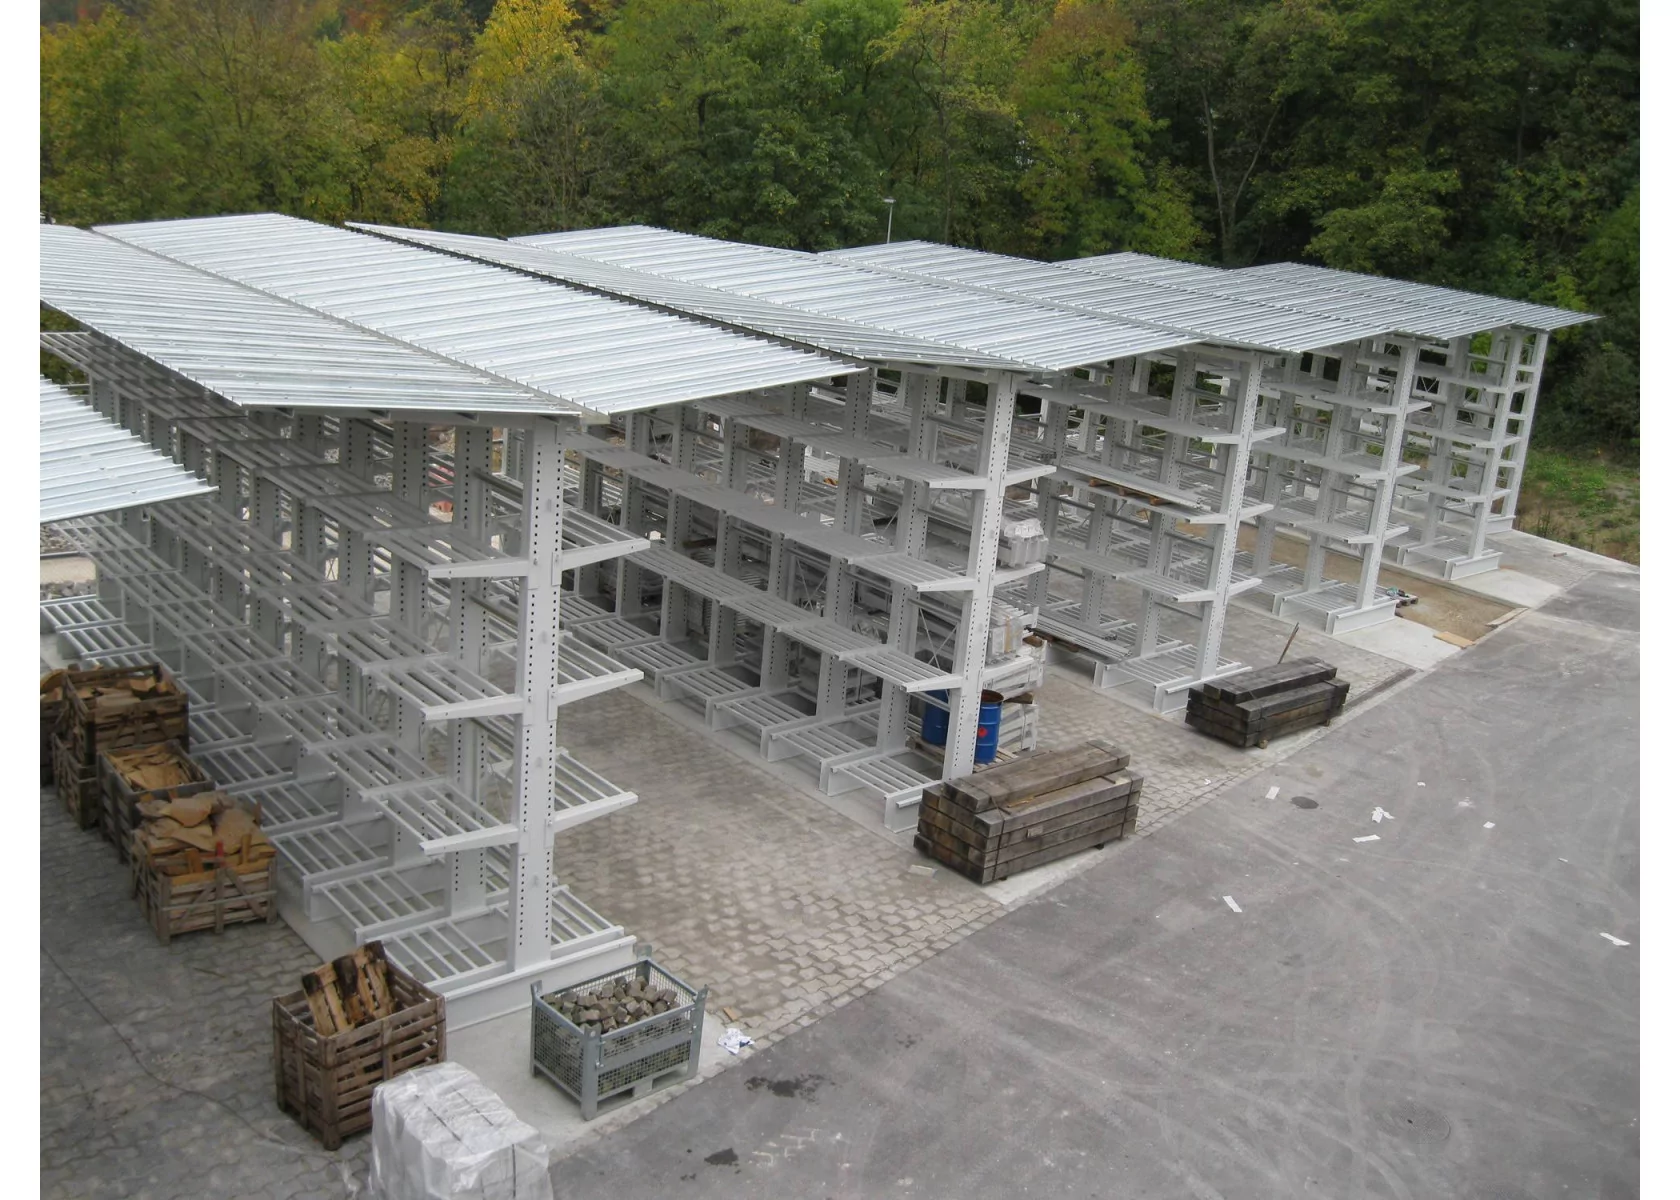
(1379, 815)
(1487, 825)
(733, 1040)
(1369, 837)
(440, 1134)
(1233, 904)
(1271, 793)
(1614, 941)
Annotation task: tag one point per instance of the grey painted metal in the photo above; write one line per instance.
(1197, 315)
(1419, 309)
(1039, 336)
(592, 351)
(90, 465)
(851, 338)
(249, 348)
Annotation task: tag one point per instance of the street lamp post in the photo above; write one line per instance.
(889, 203)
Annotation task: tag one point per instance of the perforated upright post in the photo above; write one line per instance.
(531, 880)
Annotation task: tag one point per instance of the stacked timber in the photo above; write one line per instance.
(1252, 707)
(1031, 810)
(110, 708)
(201, 862)
(357, 1022)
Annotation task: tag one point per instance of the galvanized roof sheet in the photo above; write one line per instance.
(91, 465)
(1196, 314)
(838, 336)
(597, 352)
(1038, 335)
(1491, 311)
(250, 348)
(1402, 307)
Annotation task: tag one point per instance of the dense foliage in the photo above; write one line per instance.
(1487, 144)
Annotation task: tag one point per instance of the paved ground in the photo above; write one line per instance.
(1432, 1014)
(155, 1062)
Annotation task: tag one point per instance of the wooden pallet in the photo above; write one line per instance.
(327, 1081)
(52, 711)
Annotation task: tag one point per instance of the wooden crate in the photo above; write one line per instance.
(115, 707)
(327, 1082)
(120, 796)
(77, 783)
(52, 710)
(211, 893)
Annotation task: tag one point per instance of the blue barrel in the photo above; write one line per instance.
(935, 720)
(991, 718)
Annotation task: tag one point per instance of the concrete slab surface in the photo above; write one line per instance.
(1514, 587)
(1403, 641)
(1435, 1013)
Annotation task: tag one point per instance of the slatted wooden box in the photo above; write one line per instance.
(52, 710)
(187, 890)
(115, 707)
(121, 797)
(77, 782)
(327, 1082)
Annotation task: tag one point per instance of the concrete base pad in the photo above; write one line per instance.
(1404, 641)
(1511, 586)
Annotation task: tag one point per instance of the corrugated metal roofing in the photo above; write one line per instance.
(91, 465)
(1412, 308)
(1038, 335)
(1198, 314)
(249, 348)
(603, 354)
(1491, 311)
(775, 320)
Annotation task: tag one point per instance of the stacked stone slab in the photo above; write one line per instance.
(1252, 707)
(1031, 810)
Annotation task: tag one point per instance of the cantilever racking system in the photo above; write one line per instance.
(462, 484)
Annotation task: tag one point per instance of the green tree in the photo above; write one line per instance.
(1087, 180)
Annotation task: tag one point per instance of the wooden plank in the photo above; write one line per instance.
(1263, 681)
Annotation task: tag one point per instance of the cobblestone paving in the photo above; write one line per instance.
(155, 1060)
(156, 1077)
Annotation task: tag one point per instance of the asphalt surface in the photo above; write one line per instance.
(1433, 1014)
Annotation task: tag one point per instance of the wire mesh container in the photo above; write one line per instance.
(590, 1066)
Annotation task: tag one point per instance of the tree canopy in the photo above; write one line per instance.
(1484, 144)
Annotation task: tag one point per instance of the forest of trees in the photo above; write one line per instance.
(1485, 144)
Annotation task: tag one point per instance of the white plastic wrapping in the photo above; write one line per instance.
(440, 1134)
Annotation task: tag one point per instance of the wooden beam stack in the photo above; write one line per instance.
(1031, 810)
(1251, 708)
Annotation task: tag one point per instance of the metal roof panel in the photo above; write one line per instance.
(89, 464)
(250, 348)
(600, 353)
(1040, 335)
